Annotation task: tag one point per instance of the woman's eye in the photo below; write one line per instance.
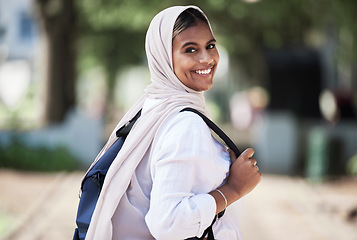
(211, 46)
(190, 50)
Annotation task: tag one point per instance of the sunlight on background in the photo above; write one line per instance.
(248, 104)
(251, 1)
(130, 86)
(328, 106)
(91, 91)
(15, 77)
(223, 65)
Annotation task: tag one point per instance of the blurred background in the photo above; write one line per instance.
(286, 85)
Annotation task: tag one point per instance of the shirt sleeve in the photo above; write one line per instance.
(185, 167)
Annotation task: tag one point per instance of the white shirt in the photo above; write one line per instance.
(168, 195)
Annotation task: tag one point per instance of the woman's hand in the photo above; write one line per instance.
(244, 174)
(243, 178)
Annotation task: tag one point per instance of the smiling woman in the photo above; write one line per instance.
(169, 179)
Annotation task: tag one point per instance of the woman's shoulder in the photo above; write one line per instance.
(183, 127)
(184, 134)
(186, 122)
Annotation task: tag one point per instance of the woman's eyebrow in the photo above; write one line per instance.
(194, 43)
(211, 41)
(189, 43)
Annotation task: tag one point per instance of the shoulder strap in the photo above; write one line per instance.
(216, 129)
(124, 130)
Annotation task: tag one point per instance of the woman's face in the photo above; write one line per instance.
(195, 56)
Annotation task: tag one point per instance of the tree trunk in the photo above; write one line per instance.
(59, 24)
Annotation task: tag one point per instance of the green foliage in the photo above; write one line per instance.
(112, 14)
(18, 156)
(111, 33)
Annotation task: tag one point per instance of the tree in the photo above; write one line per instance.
(59, 25)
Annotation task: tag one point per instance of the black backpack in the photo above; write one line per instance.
(94, 179)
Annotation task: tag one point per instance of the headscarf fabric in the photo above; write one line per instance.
(175, 96)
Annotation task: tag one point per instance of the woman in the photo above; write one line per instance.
(170, 178)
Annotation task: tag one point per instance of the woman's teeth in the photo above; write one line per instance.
(207, 71)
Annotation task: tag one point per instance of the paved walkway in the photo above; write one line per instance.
(283, 208)
(43, 206)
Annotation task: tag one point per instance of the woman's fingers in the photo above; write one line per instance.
(248, 153)
(245, 159)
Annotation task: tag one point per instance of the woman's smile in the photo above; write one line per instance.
(204, 72)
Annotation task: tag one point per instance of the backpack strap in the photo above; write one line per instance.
(124, 130)
(216, 129)
(209, 231)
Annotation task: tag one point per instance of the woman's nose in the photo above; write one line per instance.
(205, 57)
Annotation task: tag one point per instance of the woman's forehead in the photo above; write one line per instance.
(197, 33)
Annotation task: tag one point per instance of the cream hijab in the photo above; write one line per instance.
(176, 96)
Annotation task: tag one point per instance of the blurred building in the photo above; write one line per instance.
(19, 39)
(18, 30)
